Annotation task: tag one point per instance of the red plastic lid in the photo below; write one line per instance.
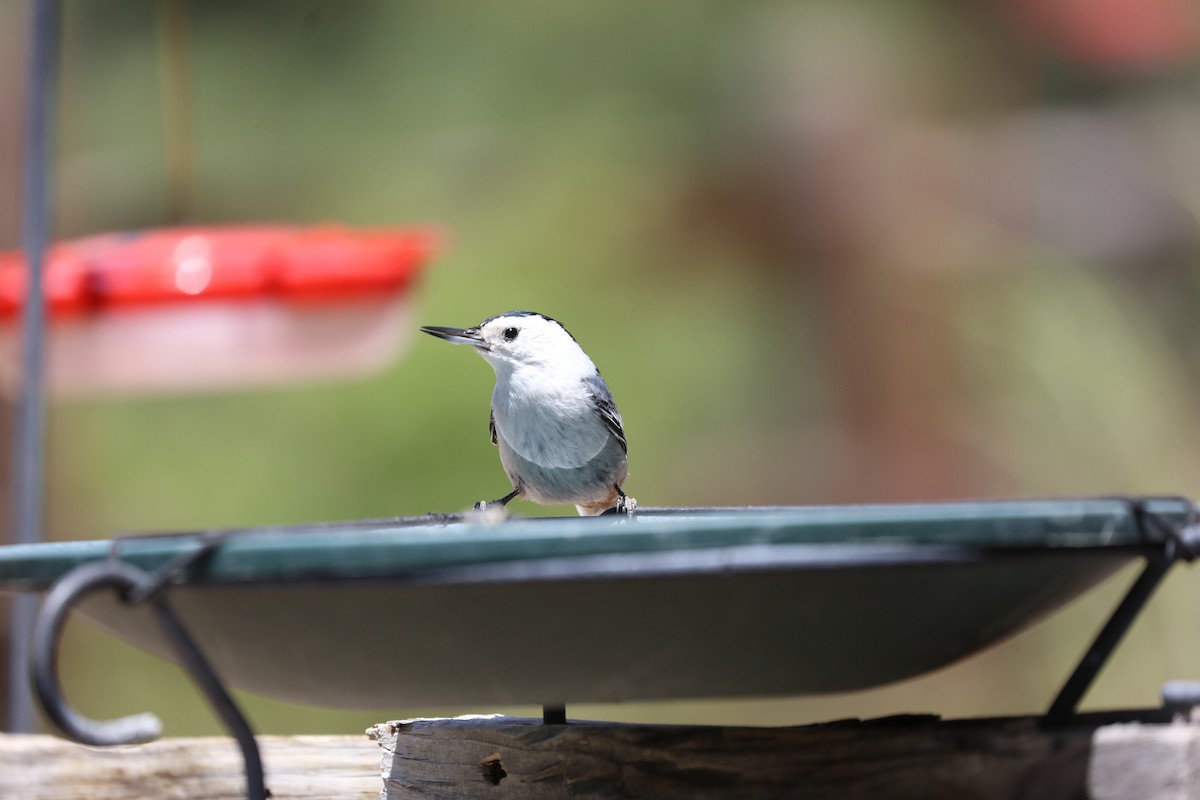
(311, 265)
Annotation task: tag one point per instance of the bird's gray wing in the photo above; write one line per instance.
(606, 408)
(492, 426)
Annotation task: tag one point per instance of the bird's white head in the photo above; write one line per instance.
(518, 339)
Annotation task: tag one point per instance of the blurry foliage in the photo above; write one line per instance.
(586, 161)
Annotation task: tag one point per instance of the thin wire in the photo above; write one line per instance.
(175, 73)
(29, 438)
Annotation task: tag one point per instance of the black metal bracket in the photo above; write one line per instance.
(1174, 543)
(134, 586)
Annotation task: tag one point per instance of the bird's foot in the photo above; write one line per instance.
(494, 506)
(625, 506)
(487, 513)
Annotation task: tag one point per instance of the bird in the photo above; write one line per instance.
(553, 418)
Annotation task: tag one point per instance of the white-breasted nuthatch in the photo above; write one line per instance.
(553, 417)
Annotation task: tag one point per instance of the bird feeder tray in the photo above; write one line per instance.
(188, 309)
(668, 603)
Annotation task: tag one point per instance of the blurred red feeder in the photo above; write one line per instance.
(193, 309)
(1116, 34)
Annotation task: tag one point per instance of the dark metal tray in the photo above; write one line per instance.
(669, 603)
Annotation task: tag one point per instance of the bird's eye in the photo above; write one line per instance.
(510, 334)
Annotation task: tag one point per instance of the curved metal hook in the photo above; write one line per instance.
(65, 593)
(134, 585)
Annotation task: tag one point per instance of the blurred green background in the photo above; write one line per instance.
(822, 252)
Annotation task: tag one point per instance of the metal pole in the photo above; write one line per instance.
(28, 457)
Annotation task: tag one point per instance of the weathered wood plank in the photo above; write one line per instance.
(502, 757)
(1151, 761)
(208, 768)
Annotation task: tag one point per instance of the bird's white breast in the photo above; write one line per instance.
(547, 416)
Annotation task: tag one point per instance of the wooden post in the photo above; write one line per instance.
(524, 759)
(1161, 762)
(48, 768)
(916, 757)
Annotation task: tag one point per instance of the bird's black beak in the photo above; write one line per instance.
(457, 335)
